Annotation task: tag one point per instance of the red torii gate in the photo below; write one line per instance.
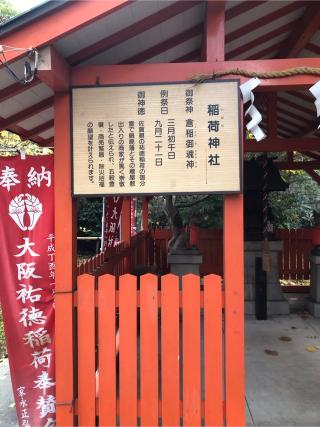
(61, 76)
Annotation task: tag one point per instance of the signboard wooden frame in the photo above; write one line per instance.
(85, 94)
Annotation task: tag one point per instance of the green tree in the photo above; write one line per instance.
(296, 207)
(89, 216)
(203, 211)
(7, 11)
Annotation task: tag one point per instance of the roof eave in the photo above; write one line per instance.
(30, 16)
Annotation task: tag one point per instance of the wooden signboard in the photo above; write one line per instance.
(157, 139)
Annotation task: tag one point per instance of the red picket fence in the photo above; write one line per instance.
(208, 241)
(121, 259)
(150, 249)
(294, 260)
(170, 368)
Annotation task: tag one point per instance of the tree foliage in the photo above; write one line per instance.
(89, 216)
(204, 211)
(298, 206)
(7, 11)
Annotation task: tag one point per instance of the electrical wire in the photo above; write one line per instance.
(29, 71)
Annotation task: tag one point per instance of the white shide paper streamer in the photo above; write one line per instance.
(315, 90)
(247, 95)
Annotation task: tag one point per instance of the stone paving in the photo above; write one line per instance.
(8, 416)
(282, 373)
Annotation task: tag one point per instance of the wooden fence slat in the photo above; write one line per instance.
(170, 350)
(86, 351)
(128, 350)
(293, 255)
(307, 246)
(213, 364)
(280, 255)
(191, 350)
(107, 350)
(299, 254)
(149, 349)
(286, 253)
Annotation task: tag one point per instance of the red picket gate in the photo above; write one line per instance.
(170, 362)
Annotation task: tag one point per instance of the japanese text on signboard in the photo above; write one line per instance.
(160, 138)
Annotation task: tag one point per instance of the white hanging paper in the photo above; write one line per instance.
(315, 90)
(247, 95)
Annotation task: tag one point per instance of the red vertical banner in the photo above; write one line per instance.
(112, 221)
(27, 269)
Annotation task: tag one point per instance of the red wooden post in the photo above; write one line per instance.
(65, 262)
(213, 40)
(233, 254)
(233, 251)
(145, 212)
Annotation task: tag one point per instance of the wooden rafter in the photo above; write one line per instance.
(266, 19)
(243, 48)
(296, 105)
(189, 57)
(265, 52)
(60, 22)
(26, 113)
(288, 120)
(16, 88)
(131, 31)
(241, 8)
(313, 48)
(298, 39)
(30, 134)
(293, 120)
(165, 45)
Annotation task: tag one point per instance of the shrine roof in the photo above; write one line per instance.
(132, 32)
